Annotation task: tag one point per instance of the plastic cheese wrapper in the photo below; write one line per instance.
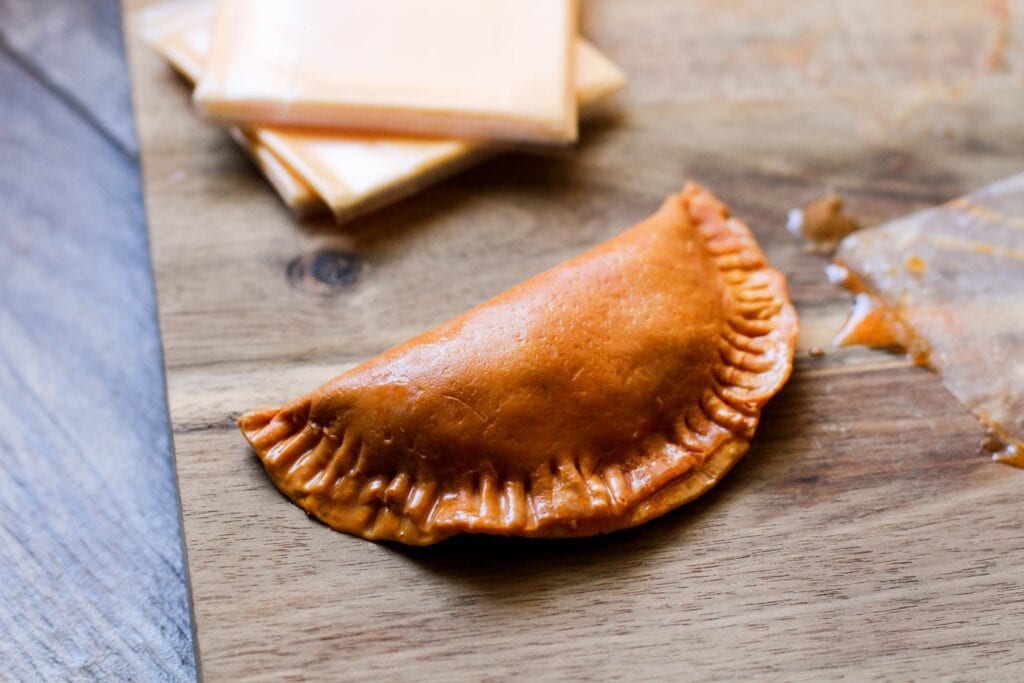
(351, 173)
(947, 284)
(499, 69)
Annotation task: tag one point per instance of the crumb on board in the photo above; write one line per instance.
(822, 222)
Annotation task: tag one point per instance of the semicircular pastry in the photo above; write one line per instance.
(592, 397)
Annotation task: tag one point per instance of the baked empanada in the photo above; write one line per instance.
(595, 396)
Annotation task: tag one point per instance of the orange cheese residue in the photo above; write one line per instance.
(873, 322)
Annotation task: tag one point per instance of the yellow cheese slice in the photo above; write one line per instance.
(179, 29)
(495, 69)
(352, 173)
(293, 189)
(356, 173)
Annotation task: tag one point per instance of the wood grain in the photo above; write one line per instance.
(864, 536)
(93, 581)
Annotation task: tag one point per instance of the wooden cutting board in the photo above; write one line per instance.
(864, 534)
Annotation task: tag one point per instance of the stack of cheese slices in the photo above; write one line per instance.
(346, 105)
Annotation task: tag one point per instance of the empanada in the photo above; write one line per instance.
(594, 396)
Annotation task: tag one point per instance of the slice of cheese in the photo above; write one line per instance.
(495, 69)
(293, 189)
(179, 30)
(597, 77)
(357, 173)
(352, 173)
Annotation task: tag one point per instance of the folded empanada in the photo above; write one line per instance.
(595, 396)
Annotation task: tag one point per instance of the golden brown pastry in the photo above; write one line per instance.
(592, 397)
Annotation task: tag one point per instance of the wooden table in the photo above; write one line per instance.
(863, 537)
(92, 579)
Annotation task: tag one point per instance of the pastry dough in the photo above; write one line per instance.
(592, 397)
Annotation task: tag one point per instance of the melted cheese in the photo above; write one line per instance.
(352, 173)
(498, 69)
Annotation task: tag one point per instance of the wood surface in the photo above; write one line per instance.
(864, 536)
(92, 580)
